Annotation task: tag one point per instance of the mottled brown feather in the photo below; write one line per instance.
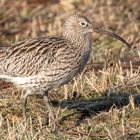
(30, 55)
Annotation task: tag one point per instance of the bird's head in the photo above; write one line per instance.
(78, 24)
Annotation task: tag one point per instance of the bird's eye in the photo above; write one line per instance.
(83, 24)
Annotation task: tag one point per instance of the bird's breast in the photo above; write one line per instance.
(84, 57)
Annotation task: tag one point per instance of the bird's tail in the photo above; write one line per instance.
(3, 51)
(3, 54)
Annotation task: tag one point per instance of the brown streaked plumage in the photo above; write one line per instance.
(40, 64)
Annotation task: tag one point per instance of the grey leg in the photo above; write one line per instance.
(24, 102)
(46, 100)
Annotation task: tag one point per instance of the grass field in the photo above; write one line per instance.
(102, 103)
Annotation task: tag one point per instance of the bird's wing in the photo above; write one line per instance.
(28, 57)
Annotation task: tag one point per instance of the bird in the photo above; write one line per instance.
(40, 64)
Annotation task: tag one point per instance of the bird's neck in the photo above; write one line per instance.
(77, 39)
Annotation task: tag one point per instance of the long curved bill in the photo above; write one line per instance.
(99, 30)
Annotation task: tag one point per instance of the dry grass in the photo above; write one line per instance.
(102, 102)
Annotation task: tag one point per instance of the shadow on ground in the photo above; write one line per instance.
(87, 108)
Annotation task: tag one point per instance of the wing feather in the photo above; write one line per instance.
(28, 57)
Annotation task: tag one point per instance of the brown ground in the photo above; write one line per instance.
(102, 102)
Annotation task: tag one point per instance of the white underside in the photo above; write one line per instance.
(17, 80)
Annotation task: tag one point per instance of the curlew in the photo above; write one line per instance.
(41, 64)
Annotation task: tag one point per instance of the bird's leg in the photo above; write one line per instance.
(48, 104)
(24, 102)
